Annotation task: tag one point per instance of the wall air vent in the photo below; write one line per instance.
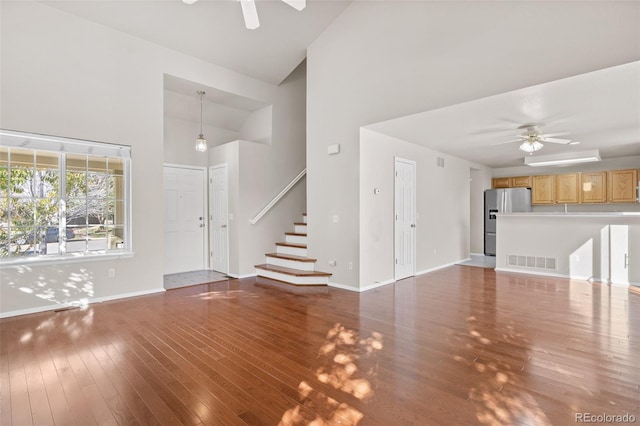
(531, 262)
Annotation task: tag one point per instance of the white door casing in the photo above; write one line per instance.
(184, 224)
(405, 218)
(219, 218)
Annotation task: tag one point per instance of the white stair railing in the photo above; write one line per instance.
(278, 197)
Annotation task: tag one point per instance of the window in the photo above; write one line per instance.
(62, 198)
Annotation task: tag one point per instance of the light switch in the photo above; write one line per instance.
(333, 149)
(376, 191)
(336, 218)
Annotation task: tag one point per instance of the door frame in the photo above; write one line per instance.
(210, 232)
(205, 204)
(397, 160)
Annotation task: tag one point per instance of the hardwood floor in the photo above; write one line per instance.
(462, 345)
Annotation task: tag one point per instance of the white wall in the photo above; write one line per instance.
(442, 200)
(258, 126)
(382, 60)
(581, 245)
(62, 75)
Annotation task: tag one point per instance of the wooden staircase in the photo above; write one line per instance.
(290, 263)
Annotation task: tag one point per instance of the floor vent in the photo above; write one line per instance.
(533, 262)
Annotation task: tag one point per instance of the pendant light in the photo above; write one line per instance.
(201, 142)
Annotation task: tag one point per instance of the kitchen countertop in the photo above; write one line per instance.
(571, 214)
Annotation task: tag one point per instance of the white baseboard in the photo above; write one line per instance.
(361, 289)
(476, 254)
(74, 304)
(343, 287)
(446, 265)
(550, 274)
(241, 276)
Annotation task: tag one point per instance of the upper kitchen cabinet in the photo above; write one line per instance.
(521, 182)
(504, 182)
(567, 188)
(623, 186)
(593, 187)
(543, 189)
(511, 182)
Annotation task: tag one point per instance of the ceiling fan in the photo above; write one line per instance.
(532, 138)
(250, 13)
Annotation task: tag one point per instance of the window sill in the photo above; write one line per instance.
(67, 258)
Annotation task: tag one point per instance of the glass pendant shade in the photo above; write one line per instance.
(531, 146)
(201, 143)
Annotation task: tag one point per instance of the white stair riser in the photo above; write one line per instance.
(296, 251)
(291, 279)
(304, 219)
(293, 264)
(295, 239)
(300, 229)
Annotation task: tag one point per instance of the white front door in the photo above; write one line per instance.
(219, 218)
(184, 225)
(405, 218)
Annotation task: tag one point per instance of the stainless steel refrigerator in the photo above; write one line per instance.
(508, 200)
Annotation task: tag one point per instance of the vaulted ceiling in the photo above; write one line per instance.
(600, 109)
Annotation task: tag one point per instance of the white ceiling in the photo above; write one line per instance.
(600, 109)
(214, 31)
(222, 110)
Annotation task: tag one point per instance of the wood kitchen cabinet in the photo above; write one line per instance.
(511, 182)
(543, 189)
(567, 188)
(622, 186)
(521, 182)
(504, 182)
(593, 187)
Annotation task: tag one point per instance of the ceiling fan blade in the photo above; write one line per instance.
(556, 140)
(553, 134)
(296, 4)
(250, 14)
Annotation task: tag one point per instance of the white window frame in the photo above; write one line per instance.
(38, 142)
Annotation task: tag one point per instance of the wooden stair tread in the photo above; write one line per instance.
(283, 244)
(293, 272)
(291, 257)
(295, 234)
(304, 214)
(300, 223)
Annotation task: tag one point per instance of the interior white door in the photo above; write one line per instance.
(219, 218)
(405, 218)
(619, 246)
(184, 225)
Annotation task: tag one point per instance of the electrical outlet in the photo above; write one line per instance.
(112, 272)
(336, 218)
(351, 266)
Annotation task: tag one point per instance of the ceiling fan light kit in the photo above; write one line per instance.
(563, 159)
(250, 13)
(531, 146)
